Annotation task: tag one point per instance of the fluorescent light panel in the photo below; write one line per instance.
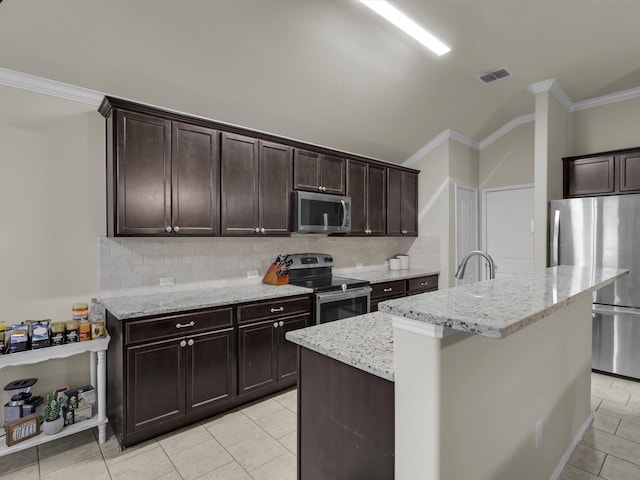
(404, 23)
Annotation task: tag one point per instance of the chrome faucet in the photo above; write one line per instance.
(462, 267)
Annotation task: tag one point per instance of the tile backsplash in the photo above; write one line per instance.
(134, 266)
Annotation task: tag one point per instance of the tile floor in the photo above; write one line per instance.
(258, 441)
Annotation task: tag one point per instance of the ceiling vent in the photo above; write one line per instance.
(494, 75)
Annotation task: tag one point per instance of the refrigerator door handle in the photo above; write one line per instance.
(555, 239)
(614, 310)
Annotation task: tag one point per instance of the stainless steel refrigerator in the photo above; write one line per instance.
(604, 232)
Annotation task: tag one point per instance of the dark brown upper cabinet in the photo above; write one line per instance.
(162, 176)
(316, 172)
(607, 173)
(366, 187)
(255, 186)
(402, 203)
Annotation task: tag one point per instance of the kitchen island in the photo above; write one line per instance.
(490, 380)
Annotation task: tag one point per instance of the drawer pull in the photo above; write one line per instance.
(281, 323)
(424, 284)
(275, 324)
(185, 325)
(274, 310)
(183, 343)
(191, 342)
(386, 290)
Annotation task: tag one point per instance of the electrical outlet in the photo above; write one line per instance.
(166, 281)
(253, 273)
(539, 433)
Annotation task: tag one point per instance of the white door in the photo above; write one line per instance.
(466, 230)
(508, 227)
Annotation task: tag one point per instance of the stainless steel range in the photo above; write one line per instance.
(336, 297)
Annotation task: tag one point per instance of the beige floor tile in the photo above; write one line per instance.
(92, 468)
(613, 394)
(67, 451)
(617, 469)
(587, 459)
(148, 465)
(171, 476)
(31, 472)
(113, 453)
(280, 468)
(633, 387)
(600, 379)
(256, 451)
(630, 431)
(19, 460)
(595, 403)
(230, 471)
(607, 443)
(288, 400)
(619, 411)
(605, 422)
(279, 424)
(184, 439)
(290, 441)
(233, 428)
(261, 409)
(634, 401)
(572, 473)
(200, 459)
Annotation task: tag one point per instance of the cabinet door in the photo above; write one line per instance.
(409, 214)
(588, 176)
(357, 190)
(275, 188)
(194, 175)
(306, 173)
(332, 174)
(287, 351)
(394, 202)
(257, 359)
(629, 165)
(210, 369)
(155, 383)
(143, 166)
(376, 200)
(239, 185)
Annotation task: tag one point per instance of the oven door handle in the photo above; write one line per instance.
(349, 294)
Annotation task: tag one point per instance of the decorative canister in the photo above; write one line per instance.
(80, 311)
(84, 330)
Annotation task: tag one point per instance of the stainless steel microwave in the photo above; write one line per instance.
(320, 213)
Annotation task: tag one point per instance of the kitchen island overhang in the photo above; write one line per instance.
(469, 405)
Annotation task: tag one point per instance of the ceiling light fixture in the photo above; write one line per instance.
(404, 23)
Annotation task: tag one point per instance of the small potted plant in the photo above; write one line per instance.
(52, 413)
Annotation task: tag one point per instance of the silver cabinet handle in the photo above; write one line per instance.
(324, 189)
(424, 284)
(176, 228)
(387, 289)
(167, 229)
(404, 232)
(257, 229)
(191, 342)
(281, 323)
(555, 246)
(280, 309)
(262, 230)
(320, 188)
(183, 343)
(275, 324)
(185, 325)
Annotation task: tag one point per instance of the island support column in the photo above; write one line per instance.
(472, 407)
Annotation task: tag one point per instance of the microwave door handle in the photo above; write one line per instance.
(344, 213)
(555, 239)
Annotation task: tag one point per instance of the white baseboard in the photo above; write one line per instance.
(565, 458)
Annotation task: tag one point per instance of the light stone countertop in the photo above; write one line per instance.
(498, 308)
(164, 303)
(364, 342)
(382, 273)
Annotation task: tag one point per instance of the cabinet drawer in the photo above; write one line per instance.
(178, 325)
(423, 283)
(388, 289)
(273, 308)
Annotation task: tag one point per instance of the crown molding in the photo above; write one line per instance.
(25, 81)
(606, 99)
(463, 139)
(556, 90)
(506, 128)
(437, 141)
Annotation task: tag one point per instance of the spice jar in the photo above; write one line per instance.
(84, 330)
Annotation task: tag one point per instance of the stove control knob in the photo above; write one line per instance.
(328, 259)
(344, 287)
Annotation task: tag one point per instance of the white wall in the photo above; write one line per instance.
(508, 160)
(52, 189)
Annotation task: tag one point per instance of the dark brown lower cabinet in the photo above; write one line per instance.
(383, 291)
(166, 372)
(346, 421)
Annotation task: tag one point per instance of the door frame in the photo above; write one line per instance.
(483, 238)
(464, 186)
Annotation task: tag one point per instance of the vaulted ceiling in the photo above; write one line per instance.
(330, 72)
